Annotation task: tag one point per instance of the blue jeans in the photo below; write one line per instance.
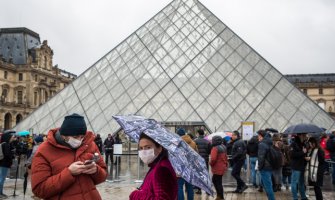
(189, 189)
(267, 183)
(3, 175)
(252, 161)
(297, 182)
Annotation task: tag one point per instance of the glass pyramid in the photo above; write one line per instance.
(183, 65)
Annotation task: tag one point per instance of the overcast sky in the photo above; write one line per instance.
(295, 36)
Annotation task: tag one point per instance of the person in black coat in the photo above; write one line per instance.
(109, 148)
(315, 167)
(6, 139)
(204, 149)
(238, 154)
(252, 151)
(297, 153)
(98, 142)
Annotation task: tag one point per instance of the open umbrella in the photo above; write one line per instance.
(303, 128)
(23, 133)
(185, 161)
(223, 134)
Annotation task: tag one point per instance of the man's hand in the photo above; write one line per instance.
(77, 168)
(90, 168)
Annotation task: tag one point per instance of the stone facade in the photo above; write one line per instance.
(319, 87)
(27, 75)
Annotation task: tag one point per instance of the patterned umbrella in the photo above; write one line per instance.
(185, 161)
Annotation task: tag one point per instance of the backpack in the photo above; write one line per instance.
(1, 152)
(275, 158)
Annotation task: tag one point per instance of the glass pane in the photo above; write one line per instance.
(204, 110)
(244, 109)
(284, 87)
(287, 109)
(296, 97)
(234, 98)
(244, 87)
(88, 101)
(196, 99)
(234, 59)
(265, 109)
(253, 77)
(262, 67)
(234, 78)
(275, 98)
(252, 58)
(243, 68)
(243, 50)
(264, 87)
(254, 98)
(214, 99)
(309, 108)
(273, 76)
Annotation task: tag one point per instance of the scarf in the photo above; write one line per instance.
(312, 167)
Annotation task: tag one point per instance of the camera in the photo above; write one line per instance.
(20, 147)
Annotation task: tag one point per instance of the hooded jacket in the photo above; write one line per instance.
(51, 178)
(190, 142)
(219, 158)
(263, 148)
(7, 151)
(252, 147)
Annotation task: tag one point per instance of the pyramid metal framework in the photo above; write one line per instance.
(183, 65)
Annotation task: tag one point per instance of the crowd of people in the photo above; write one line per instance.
(70, 163)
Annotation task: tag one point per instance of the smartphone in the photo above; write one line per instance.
(87, 162)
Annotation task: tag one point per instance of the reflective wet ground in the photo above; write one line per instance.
(119, 185)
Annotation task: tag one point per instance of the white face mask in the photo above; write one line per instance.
(147, 156)
(74, 143)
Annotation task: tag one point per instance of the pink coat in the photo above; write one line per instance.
(159, 183)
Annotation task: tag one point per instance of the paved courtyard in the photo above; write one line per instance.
(119, 188)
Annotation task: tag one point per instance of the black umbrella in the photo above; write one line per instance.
(303, 128)
(25, 182)
(272, 130)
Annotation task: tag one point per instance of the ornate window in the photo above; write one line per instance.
(19, 97)
(20, 77)
(5, 75)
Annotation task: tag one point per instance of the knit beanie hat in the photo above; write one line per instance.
(181, 131)
(73, 125)
(39, 139)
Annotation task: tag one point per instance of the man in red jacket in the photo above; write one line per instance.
(62, 167)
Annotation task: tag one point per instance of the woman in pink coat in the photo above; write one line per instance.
(160, 181)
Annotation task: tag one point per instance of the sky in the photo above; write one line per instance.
(295, 36)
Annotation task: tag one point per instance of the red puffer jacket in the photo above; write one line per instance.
(51, 178)
(219, 161)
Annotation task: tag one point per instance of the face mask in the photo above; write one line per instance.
(74, 143)
(147, 156)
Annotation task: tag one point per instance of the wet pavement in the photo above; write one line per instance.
(123, 182)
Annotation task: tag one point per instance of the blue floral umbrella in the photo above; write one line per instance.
(185, 161)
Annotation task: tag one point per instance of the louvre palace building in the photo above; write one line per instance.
(183, 67)
(28, 78)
